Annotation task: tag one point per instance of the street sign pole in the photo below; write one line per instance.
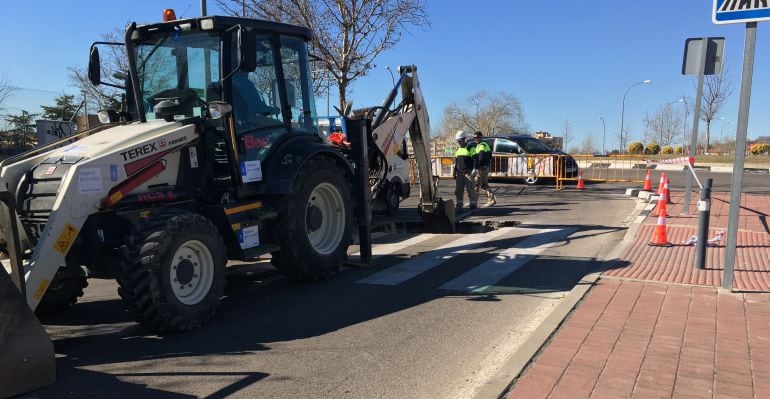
(695, 120)
(740, 153)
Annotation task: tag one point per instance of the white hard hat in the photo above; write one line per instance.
(460, 135)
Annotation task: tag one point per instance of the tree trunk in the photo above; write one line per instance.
(342, 86)
(708, 132)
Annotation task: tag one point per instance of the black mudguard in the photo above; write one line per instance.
(282, 166)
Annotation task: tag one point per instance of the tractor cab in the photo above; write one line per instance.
(246, 82)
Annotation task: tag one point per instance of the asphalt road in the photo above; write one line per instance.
(434, 317)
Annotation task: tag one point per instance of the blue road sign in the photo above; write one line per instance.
(739, 11)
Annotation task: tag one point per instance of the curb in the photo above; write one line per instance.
(500, 384)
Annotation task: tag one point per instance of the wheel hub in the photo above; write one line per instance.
(192, 271)
(314, 218)
(185, 271)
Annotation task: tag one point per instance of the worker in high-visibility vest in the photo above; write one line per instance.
(482, 161)
(462, 172)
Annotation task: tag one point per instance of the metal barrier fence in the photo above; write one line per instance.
(558, 168)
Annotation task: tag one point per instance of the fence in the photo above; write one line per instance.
(19, 109)
(558, 168)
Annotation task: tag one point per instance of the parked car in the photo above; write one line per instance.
(527, 145)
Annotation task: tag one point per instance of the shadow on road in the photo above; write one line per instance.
(261, 310)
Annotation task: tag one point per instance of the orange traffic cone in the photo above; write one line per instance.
(666, 191)
(659, 238)
(660, 209)
(647, 182)
(580, 185)
(661, 183)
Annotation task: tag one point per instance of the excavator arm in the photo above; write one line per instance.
(410, 119)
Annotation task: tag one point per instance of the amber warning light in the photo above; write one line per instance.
(168, 15)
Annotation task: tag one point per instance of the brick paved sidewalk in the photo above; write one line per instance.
(650, 340)
(656, 327)
(676, 264)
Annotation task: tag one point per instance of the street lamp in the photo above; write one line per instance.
(392, 79)
(604, 135)
(623, 110)
(722, 135)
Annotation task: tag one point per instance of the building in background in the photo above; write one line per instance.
(557, 143)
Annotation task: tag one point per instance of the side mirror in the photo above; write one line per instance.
(94, 67)
(218, 109)
(247, 51)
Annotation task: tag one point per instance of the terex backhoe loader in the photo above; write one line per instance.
(215, 155)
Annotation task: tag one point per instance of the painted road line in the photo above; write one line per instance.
(507, 261)
(390, 248)
(404, 271)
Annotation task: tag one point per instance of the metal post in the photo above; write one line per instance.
(704, 211)
(740, 153)
(203, 8)
(696, 117)
(604, 135)
(358, 129)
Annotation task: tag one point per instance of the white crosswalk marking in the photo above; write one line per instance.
(506, 262)
(738, 5)
(404, 271)
(387, 249)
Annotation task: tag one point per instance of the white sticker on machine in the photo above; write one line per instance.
(251, 171)
(90, 181)
(193, 157)
(248, 237)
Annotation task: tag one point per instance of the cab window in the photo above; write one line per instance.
(298, 85)
(506, 146)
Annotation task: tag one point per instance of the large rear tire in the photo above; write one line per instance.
(66, 287)
(172, 274)
(314, 227)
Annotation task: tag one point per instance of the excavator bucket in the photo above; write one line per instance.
(26, 353)
(441, 220)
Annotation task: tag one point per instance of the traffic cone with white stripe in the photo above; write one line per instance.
(580, 184)
(660, 209)
(663, 178)
(659, 238)
(647, 182)
(666, 191)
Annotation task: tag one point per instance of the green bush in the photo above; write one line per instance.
(667, 150)
(635, 148)
(652, 149)
(760, 148)
(678, 150)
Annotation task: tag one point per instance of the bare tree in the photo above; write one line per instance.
(588, 146)
(114, 65)
(664, 127)
(717, 89)
(490, 114)
(348, 34)
(566, 134)
(5, 89)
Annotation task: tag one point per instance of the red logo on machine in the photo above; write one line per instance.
(162, 143)
(251, 142)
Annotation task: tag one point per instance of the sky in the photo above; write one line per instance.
(564, 60)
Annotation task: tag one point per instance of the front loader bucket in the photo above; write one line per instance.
(26, 353)
(442, 220)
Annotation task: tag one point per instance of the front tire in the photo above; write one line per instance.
(314, 227)
(531, 180)
(173, 271)
(66, 287)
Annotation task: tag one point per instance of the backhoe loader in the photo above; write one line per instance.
(214, 156)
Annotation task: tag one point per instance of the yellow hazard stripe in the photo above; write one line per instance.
(243, 208)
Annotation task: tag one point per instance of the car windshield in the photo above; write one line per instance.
(181, 67)
(533, 145)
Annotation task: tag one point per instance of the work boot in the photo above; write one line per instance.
(472, 206)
